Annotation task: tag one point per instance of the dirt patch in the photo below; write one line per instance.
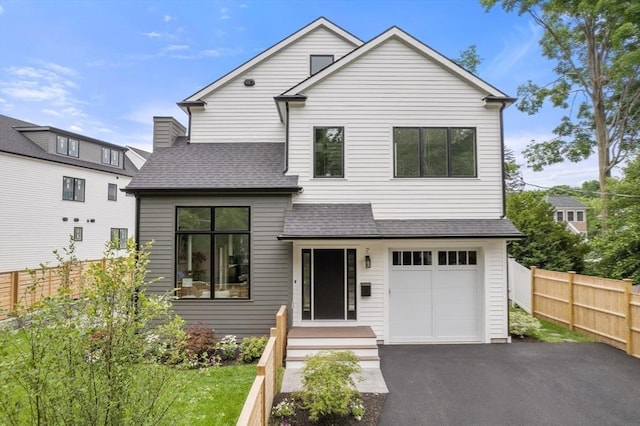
(373, 404)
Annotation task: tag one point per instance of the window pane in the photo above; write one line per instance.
(112, 192)
(462, 257)
(306, 284)
(442, 258)
(328, 152)
(79, 190)
(559, 216)
(124, 236)
(67, 188)
(570, 216)
(351, 284)
(453, 259)
(427, 258)
(417, 258)
(463, 152)
(472, 258)
(406, 143)
(73, 147)
(434, 145)
(193, 269)
(61, 145)
(77, 233)
(396, 258)
(231, 266)
(318, 62)
(232, 219)
(580, 216)
(115, 158)
(194, 218)
(406, 258)
(106, 155)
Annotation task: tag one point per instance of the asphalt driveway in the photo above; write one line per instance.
(514, 384)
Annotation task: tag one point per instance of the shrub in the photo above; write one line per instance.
(284, 410)
(200, 340)
(252, 348)
(227, 348)
(328, 386)
(522, 324)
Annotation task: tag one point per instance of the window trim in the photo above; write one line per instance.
(421, 174)
(333, 59)
(75, 189)
(213, 233)
(115, 192)
(342, 158)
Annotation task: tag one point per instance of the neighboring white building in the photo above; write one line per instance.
(57, 184)
(359, 183)
(570, 211)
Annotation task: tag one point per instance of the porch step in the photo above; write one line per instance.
(303, 342)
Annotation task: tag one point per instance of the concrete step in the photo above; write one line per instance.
(334, 342)
(364, 361)
(303, 351)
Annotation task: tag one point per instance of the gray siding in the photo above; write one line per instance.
(270, 262)
(166, 130)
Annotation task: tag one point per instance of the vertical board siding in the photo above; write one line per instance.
(270, 262)
(252, 110)
(32, 212)
(391, 86)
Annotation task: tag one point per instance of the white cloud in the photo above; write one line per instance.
(173, 47)
(224, 17)
(60, 69)
(75, 128)
(144, 114)
(515, 47)
(1, 10)
(168, 18)
(152, 34)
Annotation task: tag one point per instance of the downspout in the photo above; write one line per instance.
(137, 222)
(286, 138)
(504, 185)
(189, 125)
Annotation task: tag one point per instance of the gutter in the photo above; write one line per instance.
(286, 138)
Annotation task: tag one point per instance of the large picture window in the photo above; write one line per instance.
(72, 189)
(212, 252)
(328, 151)
(434, 152)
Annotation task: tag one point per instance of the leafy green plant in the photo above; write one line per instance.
(328, 385)
(227, 347)
(522, 324)
(251, 348)
(87, 359)
(284, 410)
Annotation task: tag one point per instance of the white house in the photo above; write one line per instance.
(360, 183)
(57, 184)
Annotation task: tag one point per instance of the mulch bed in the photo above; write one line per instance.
(373, 404)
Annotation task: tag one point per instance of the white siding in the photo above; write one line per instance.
(495, 281)
(31, 211)
(393, 85)
(236, 113)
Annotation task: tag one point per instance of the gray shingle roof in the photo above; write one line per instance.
(306, 221)
(215, 166)
(14, 142)
(564, 201)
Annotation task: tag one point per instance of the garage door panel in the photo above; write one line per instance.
(409, 306)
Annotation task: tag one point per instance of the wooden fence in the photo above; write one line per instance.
(257, 407)
(605, 309)
(15, 285)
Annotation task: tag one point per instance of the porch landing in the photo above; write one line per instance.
(331, 332)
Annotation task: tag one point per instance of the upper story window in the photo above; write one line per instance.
(559, 216)
(570, 216)
(72, 189)
(580, 216)
(328, 151)
(318, 62)
(212, 252)
(112, 192)
(67, 146)
(110, 156)
(434, 152)
(119, 237)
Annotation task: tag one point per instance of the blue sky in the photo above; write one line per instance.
(105, 68)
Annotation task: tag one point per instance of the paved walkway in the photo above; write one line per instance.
(510, 384)
(373, 381)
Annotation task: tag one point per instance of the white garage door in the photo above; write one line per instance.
(434, 296)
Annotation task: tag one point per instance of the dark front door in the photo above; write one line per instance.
(329, 284)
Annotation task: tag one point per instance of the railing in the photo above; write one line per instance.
(257, 407)
(15, 285)
(603, 308)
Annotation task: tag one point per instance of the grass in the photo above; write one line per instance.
(553, 333)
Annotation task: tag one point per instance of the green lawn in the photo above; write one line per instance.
(553, 333)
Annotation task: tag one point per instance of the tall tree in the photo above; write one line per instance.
(469, 59)
(513, 181)
(595, 45)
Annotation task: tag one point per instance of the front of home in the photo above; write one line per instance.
(357, 183)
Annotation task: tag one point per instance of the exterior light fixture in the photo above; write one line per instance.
(367, 261)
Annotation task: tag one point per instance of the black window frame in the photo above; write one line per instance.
(76, 192)
(111, 156)
(77, 233)
(579, 216)
(315, 153)
(112, 192)
(123, 236)
(559, 216)
(422, 173)
(311, 58)
(67, 146)
(212, 232)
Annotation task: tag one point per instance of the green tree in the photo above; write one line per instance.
(512, 175)
(595, 45)
(469, 59)
(548, 244)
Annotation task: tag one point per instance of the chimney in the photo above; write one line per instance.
(165, 131)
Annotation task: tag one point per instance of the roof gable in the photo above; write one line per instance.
(410, 41)
(564, 201)
(266, 54)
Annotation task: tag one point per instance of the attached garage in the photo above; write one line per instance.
(435, 296)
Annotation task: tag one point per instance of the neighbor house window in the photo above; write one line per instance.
(569, 216)
(580, 216)
(120, 235)
(559, 216)
(213, 252)
(318, 62)
(328, 151)
(110, 156)
(72, 189)
(112, 192)
(67, 146)
(434, 152)
(77, 233)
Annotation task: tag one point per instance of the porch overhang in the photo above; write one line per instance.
(356, 222)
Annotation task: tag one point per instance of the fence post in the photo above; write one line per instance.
(533, 291)
(13, 301)
(571, 276)
(627, 314)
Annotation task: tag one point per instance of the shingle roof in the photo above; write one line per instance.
(564, 201)
(14, 142)
(308, 221)
(215, 166)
